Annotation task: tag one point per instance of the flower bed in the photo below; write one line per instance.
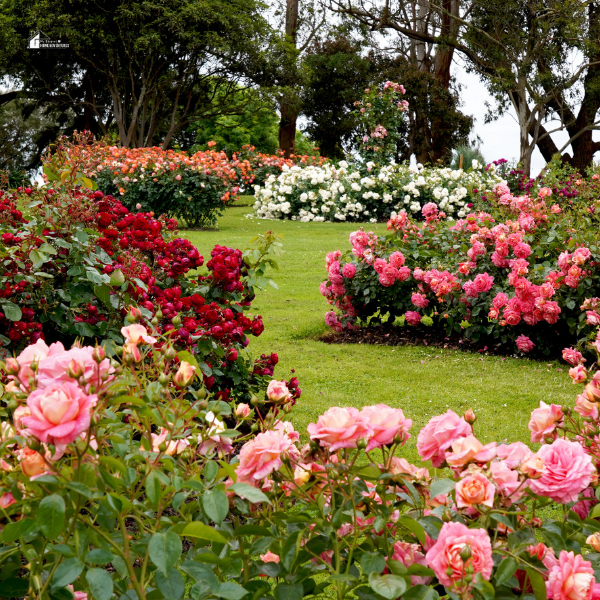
(123, 477)
(529, 276)
(353, 193)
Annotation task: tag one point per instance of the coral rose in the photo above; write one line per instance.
(470, 449)
(439, 434)
(474, 489)
(571, 579)
(567, 471)
(386, 424)
(544, 421)
(32, 462)
(263, 455)
(59, 413)
(444, 556)
(524, 344)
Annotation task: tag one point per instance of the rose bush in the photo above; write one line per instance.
(80, 259)
(528, 274)
(352, 193)
(128, 478)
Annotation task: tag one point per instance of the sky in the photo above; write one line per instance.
(500, 139)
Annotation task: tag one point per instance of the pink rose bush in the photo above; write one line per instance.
(520, 275)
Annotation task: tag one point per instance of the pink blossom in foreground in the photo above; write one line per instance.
(444, 557)
(386, 424)
(59, 413)
(572, 356)
(410, 554)
(339, 428)
(263, 455)
(524, 344)
(469, 449)
(567, 471)
(572, 578)
(349, 270)
(439, 434)
(544, 421)
(412, 317)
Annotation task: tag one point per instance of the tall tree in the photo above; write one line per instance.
(146, 69)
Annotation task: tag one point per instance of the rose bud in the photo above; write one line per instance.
(592, 392)
(12, 366)
(277, 391)
(242, 411)
(594, 541)
(32, 462)
(74, 369)
(99, 354)
(470, 416)
(184, 375)
(135, 313)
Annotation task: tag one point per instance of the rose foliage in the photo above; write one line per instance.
(124, 479)
(525, 273)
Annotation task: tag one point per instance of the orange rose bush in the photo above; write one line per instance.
(127, 477)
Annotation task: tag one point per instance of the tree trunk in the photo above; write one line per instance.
(288, 110)
(525, 148)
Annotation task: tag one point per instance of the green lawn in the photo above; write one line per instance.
(423, 382)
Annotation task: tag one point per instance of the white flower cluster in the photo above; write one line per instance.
(343, 193)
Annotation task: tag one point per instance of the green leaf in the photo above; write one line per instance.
(103, 293)
(37, 258)
(413, 527)
(164, 550)
(230, 591)
(51, 516)
(420, 592)
(200, 572)
(153, 488)
(248, 492)
(99, 556)
(199, 530)
(286, 591)
(47, 249)
(101, 584)
(11, 311)
(117, 278)
(188, 357)
(14, 587)
(372, 562)
(83, 329)
(171, 585)
(67, 572)
(441, 486)
(537, 583)
(506, 570)
(80, 488)
(485, 588)
(215, 504)
(388, 586)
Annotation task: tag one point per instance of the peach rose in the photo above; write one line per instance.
(410, 554)
(137, 334)
(32, 462)
(544, 421)
(474, 489)
(269, 557)
(571, 579)
(184, 374)
(20, 412)
(387, 424)
(470, 449)
(59, 413)
(6, 500)
(533, 466)
(339, 428)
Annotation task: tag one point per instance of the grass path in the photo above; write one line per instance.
(423, 382)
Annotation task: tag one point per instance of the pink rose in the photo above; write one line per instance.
(439, 434)
(339, 428)
(568, 471)
(412, 317)
(269, 557)
(349, 270)
(173, 447)
(578, 374)
(397, 259)
(522, 250)
(444, 557)
(386, 423)
(278, 391)
(513, 454)
(524, 344)
(137, 334)
(583, 405)
(379, 265)
(324, 289)
(572, 578)
(500, 300)
(419, 300)
(592, 318)
(572, 356)
(483, 282)
(469, 449)
(507, 482)
(56, 366)
(263, 455)
(410, 554)
(59, 413)
(474, 489)
(544, 421)
(242, 411)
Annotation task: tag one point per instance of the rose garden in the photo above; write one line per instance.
(366, 380)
